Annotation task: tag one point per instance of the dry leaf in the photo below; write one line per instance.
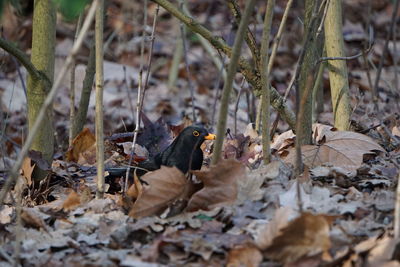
(73, 200)
(6, 213)
(164, 187)
(384, 252)
(283, 141)
(81, 143)
(135, 189)
(244, 255)
(269, 231)
(27, 170)
(342, 148)
(220, 185)
(31, 219)
(307, 235)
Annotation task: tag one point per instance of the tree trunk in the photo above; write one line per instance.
(43, 47)
(312, 52)
(337, 68)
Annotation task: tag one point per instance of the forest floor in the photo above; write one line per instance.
(240, 212)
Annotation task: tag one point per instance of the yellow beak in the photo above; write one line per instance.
(210, 137)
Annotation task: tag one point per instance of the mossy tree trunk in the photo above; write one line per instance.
(338, 77)
(43, 47)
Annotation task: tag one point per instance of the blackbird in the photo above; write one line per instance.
(182, 152)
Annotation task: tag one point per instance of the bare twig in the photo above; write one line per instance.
(87, 84)
(249, 37)
(221, 126)
(265, 96)
(48, 102)
(142, 87)
(99, 99)
(139, 97)
(72, 87)
(278, 36)
(176, 60)
(237, 106)
(150, 57)
(185, 58)
(128, 93)
(216, 89)
(346, 58)
(246, 68)
(23, 59)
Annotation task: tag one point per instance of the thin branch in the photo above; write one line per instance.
(48, 102)
(185, 58)
(252, 76)
(87, 84)
(99, 29)
(142, 87)
(72, 87)
(346, 58)
(22, 58)
(150, 56)
(249, 37)
(308, 38)
(139, 97)
(278, 36)
(265, 96)
(221, 126)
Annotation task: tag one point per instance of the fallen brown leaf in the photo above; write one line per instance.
(73, 200)
(273, 228)
(164, 187)
(27, 170)
(244, 255)
(81, 143)
(220, 185)
(343, 149)
(307, 235)
(30, 219)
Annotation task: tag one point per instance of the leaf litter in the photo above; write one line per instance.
(238, 213)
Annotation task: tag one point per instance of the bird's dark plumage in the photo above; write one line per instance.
(182, 152)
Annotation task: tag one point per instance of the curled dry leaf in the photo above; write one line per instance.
(81, 143)
(244, 255)
(271, 230)
(220, 185)
(164, 187)
(283, 141)
(32, 219)
(307, 235)
(27, 170)
(73, 200)
(342, 148)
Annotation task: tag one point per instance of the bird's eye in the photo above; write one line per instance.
(196, 133)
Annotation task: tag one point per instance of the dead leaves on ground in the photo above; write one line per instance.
(168, 187)
(335, 148)
(220, 185)
(162, 187)
(83, 148)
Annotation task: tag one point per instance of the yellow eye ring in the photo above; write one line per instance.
(196, 133)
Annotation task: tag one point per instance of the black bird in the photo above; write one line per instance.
(184, 150)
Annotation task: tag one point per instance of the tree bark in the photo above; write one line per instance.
(311, 54)
(337, 68)
(43, 49)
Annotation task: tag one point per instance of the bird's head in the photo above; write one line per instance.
(195, 135)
